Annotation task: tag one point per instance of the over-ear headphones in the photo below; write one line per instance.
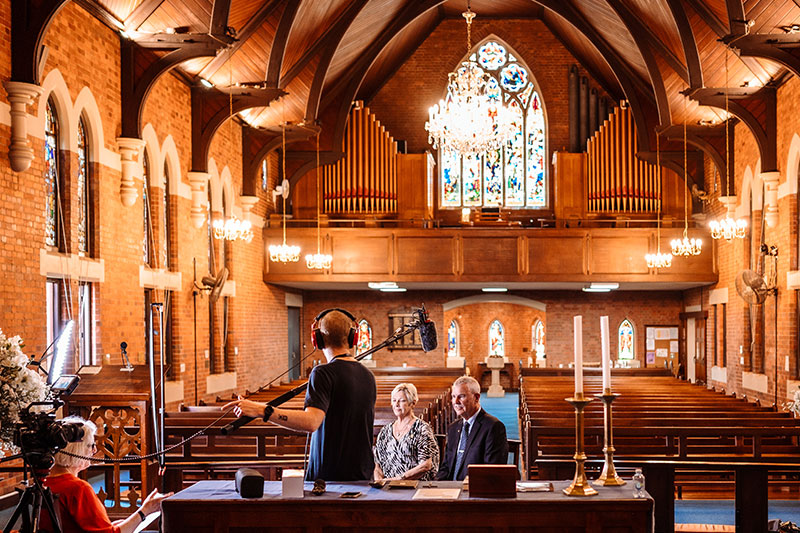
(317, 337)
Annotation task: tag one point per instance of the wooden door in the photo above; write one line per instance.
(700, 350)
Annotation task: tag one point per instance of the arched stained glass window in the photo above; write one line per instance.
(51, 176)
(497, 341)
(625, 335)
(538, 339)
(165, 220)
(364, 338)
(147, 230)
(83, 189)
(264, 174)
(452, 339)
(515, 175)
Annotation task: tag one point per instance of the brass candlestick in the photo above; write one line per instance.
(609, 477)
(580, 485)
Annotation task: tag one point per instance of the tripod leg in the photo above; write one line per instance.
(47, 497)
(22, 507)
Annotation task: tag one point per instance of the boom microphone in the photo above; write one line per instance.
(427, 330)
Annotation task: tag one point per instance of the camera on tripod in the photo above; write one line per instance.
(39, 435)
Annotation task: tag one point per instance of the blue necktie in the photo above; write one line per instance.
(462, 445)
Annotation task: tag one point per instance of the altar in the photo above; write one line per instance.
(214, 506)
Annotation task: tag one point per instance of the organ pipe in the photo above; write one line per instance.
(617, 181)
(365, 179)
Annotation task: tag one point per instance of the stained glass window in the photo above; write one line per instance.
(497, 341)
(264, 174)
(165, 220)
(626, 340)
(147, 235)
(83, 190)
(51, 176)
(538, 339)
(364, 338)
(452, 339)
(515, 175)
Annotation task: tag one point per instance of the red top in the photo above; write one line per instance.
(79, 508)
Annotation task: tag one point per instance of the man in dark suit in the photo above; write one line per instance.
(477, 438)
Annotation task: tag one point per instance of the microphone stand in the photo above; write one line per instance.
(288, 395)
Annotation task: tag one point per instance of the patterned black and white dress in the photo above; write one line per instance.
(398, 456)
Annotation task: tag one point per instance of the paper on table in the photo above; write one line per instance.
(534, 486)
(436, 494)
(149, 519)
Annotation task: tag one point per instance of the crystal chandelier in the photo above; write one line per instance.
(318, 261)
(232, 229)
(728, 228)
(284, 253)
(470, 120)
(686, 246)
(658, 260)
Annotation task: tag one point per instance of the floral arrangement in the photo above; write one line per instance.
(19, 386)
(794, 405)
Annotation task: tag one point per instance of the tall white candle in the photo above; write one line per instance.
(578, 329)
(605, 353)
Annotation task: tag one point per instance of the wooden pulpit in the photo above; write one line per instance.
(118, 402)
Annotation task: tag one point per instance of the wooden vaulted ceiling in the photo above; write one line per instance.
(329, 52)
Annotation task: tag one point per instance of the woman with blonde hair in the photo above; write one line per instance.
(79, 508)
(406, 448)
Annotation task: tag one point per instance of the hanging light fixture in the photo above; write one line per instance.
(658, 260)
(470, 120)
(318, 261)
(231, 228)
(727, 227)
(686, 246)
(284, 253)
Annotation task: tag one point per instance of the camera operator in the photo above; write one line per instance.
(78, 506)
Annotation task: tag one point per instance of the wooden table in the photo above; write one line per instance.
(214, 506)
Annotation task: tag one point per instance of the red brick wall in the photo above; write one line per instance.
(642, 308)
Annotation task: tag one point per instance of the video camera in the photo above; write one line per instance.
(39, 435)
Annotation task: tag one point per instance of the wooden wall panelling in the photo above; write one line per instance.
(615, 254)
(362, 255)
(425, 255)
(492, 257)
(556, 255)
(414, 186)
(570, 172)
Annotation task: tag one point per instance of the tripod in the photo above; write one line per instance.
(29, 507)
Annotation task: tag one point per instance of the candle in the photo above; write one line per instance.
(605, 353)
(578, 329)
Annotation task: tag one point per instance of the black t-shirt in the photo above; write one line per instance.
(341, 448)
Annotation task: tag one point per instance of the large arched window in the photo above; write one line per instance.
(147, 231)
(84, 200)
(514, 176)
(497, 339)
(537, 340)
(165, 220)
(364, 338)
(52, 179)
(452, 339)
(625, 336)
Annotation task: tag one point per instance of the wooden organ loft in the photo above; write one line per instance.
(381, 223)
(608, 181)
(364, 183)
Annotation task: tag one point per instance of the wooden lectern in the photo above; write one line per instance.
(118, 402)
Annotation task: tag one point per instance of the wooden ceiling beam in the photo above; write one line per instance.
(614, 92)
(711, 141)
(30, 20)
(278, 50)
(211, 107)
(645, 35)
(242, 35)
(141, 13)
(327, 53)
(736, 17)
(781, 48)
(638, 93)
(330, 37)
(643, 40)
(756, 107)
(722, 32)
(219, 17)
(691, 54)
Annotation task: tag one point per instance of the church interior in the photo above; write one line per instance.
(187, 184)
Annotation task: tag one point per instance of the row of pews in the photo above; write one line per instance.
(686, 437)
(270, 448)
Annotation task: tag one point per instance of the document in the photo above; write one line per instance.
(436, 494)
